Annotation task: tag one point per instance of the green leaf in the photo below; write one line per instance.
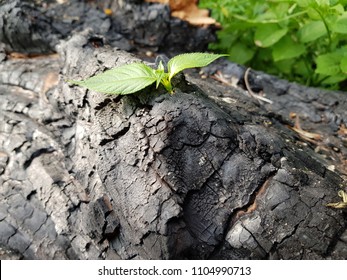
(122, 80)
(190, 60)
(343, 65)
(268, 34)
(285, 66)
(338, 9)
(340, 25)
(304, 3)
(323, 3)
(312, 31)
(301, 69)
(160, 73)
(281, 9)
(240, 53)
(329, 64)
(313, 13)
(286, 48)
(332, 80)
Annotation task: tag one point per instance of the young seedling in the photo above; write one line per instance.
(133, 77)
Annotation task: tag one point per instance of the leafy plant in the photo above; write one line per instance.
(133, 77)
(300, 40)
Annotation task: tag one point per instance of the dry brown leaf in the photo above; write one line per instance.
(158, 1)
(189, 11)
(342, 130)
(174, 4)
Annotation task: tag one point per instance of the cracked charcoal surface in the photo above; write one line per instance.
(153, 176)
(320, 111)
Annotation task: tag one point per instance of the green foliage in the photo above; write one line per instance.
(126, 79)
(133, 77)
(300, 40)
(189, 60)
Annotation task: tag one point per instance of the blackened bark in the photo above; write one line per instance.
(205, 173)
(133, 25)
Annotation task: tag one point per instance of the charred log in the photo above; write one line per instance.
(206, 173)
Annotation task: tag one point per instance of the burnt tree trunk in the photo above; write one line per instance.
(206, 173)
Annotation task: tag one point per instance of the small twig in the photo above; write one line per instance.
(251, 92)
(220, 78)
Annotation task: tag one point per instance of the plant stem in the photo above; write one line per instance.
(267, 21)
(167, 84)
(326, 27)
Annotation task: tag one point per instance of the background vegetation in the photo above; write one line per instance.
(299, 40)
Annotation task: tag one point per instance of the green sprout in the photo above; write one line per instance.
(133, 77)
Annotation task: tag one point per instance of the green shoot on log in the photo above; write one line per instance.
(133, 77)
